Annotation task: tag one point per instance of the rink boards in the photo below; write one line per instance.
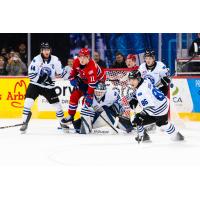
(184, 95)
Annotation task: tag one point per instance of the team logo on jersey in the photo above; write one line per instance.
(90, 72)
(47, 70)
(151, 78)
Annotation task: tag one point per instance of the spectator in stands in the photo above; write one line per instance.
(22, 52)
(15, 66)
(4, 53)
(192, 47)
(69, 65)
(98, 60)
(131, 62)
(3, 71)
(70, 62)
(119, 61)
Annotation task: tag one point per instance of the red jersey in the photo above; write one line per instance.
(135, 67)
(90, 74)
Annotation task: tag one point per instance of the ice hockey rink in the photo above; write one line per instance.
(46, 163)
(45, 145)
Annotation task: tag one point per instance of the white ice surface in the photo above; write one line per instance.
(45, 145)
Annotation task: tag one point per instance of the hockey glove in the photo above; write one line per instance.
(74, 82)
(118, 109)
(138, 119)
(44, 77)
(98, 109)
(165, 81)
(89, 100)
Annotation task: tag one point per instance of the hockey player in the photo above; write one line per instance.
(131, 62)
(156, 71)
(84, 76)
(155, 107)
(107, 103)
(42, 71)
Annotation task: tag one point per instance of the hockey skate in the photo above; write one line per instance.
(25, 124)
(24, 128)
(144, 138)
(68, 120)
(177, 137)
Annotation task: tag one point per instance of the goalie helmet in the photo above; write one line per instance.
(100, 91)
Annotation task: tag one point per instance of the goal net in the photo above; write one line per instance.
(118, 79)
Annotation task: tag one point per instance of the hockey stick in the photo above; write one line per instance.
(12, 126)
(109, 123)
(15, 125)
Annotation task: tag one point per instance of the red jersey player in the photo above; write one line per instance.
(131, 62)
(84, 76)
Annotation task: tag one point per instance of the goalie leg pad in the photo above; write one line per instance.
(125, 124)
(86, 125)
(107, 115)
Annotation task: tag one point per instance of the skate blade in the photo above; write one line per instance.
(146, 142)
(23, 132)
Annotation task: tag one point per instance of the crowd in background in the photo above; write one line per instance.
(13, 62)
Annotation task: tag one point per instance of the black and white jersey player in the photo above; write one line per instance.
(107, 103)
(42, 71)
(156, 71)
(155, 107)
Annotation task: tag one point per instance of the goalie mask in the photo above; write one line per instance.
(100, 91)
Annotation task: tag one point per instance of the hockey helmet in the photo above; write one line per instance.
(135, 74)
(149, 53)
(45, 45)
(131, 56)
(84, 52)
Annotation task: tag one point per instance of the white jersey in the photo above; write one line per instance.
(53, 66)
(151, 99)
(68, 70)
(156, 74)
(110, 98)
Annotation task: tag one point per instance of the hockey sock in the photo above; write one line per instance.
(140, 130)
(72, 109)
(169, 128)
(27, 109)
(59, 111)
